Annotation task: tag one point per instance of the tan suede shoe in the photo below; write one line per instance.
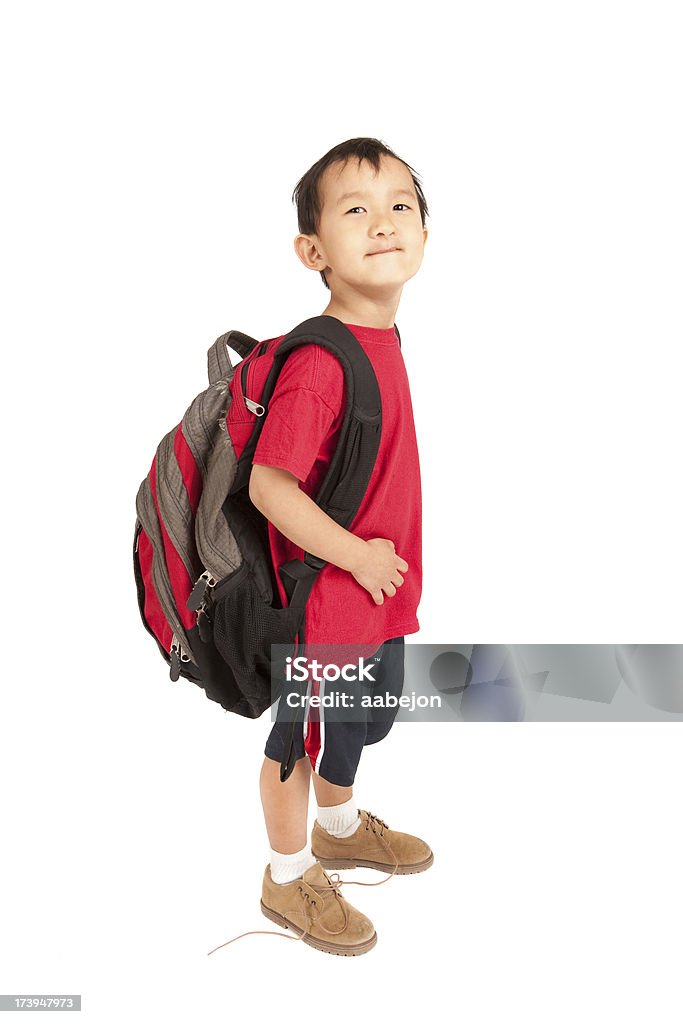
(372, 845)
(315, 910)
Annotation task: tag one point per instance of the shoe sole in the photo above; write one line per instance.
(402, 869)
(325, 947)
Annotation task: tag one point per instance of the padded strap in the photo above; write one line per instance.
(297, 579)
(289, 751)
(353, 460)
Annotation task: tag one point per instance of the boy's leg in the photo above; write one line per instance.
(305, 899)
(329, 795)
(336, 811)
(374, 844)
(285, 805)
(335, 744)
(337, 748)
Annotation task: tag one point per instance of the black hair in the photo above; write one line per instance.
(306, 194)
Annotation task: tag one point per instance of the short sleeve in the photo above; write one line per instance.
(305, 407)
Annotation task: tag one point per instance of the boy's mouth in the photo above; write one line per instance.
(376, 252)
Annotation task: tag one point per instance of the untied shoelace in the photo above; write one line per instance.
(333, 886)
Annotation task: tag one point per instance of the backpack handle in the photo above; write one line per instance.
(220, 365)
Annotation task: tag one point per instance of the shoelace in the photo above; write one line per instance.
(333, 887)
(371, 824)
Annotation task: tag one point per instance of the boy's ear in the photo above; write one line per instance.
(306, 248)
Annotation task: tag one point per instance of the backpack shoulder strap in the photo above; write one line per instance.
(348, 474)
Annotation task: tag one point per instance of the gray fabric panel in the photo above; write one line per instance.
(147, 514)
(200, 422)
(174, 506)
(217, 546)
(205, 431)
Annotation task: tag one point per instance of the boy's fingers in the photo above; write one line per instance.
(378, 597)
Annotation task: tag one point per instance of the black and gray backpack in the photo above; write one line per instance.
(205, 580)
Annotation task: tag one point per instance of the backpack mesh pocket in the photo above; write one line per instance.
(244, 627)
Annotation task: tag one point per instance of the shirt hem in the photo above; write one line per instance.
(401, 629)
(279, 462)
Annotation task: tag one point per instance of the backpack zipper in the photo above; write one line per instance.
(198, 600)
(177, 655)
(252, 406)
(160, 580)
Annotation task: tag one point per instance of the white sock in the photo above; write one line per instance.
(285, 867)
(340, 821)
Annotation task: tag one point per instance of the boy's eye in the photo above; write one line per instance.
(362, 207)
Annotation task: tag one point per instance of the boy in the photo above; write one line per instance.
(361, 216)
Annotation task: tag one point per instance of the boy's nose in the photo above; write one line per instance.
(384, 238)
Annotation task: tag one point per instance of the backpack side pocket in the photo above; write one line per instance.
(244, 628)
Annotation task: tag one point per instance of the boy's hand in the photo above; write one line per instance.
(379, 570)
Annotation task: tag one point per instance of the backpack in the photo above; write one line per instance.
(206, 585)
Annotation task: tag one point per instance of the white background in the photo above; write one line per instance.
(150, 153)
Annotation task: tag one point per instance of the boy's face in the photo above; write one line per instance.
(384, 214)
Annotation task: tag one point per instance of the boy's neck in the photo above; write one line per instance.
(380, 317)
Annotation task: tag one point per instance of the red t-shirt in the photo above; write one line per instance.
(300, 434)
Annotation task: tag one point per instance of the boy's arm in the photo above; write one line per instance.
(276, 493)
(373, 563)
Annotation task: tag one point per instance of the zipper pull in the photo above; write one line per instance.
(204, 626)
(175, 659)
(254, 407)
(198, 596)
(178, 655)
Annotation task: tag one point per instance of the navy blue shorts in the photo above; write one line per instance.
(334, 747)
